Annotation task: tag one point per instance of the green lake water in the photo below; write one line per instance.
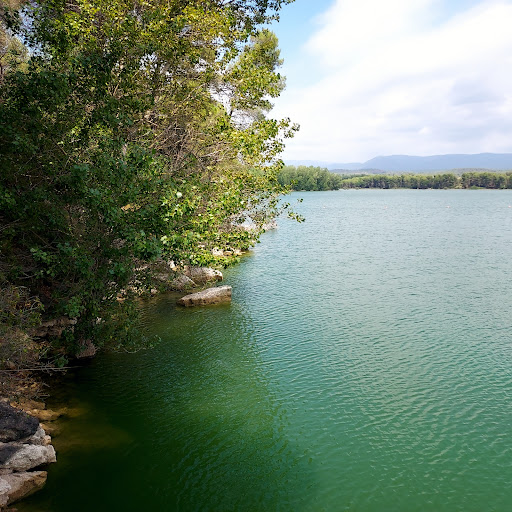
(365, 364)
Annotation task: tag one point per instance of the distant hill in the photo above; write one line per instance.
(406, 163)
(314, 163)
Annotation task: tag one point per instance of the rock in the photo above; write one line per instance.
(250, 228)
(203, 275)
(15, 424)
(215, 295)
(87, 349)
(24, 446)
(26, 405)
(46, 414)
(162, 277)
(5, 489)
(54, 327)
(21, 457)
(39, 438)
(182, 283)
(21, 485)
(8, 450)
(72, 412)
(53, 429)
(227, 252)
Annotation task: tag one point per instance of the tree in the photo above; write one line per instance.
(137, 132)
(13, 53)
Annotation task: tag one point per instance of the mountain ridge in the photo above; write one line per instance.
(410, 163)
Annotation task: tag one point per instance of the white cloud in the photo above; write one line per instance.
(396, 79)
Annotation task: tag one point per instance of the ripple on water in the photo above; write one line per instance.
(364, 365)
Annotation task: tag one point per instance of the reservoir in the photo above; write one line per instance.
(365, 364)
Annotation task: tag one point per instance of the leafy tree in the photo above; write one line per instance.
(309, 178)
(13, 53)
(137, 133)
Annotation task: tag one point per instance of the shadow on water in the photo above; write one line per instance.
(188, 425)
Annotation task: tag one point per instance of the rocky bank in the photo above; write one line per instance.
(24, 450)
(25, 447)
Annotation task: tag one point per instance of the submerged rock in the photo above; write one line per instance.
(15, 424)
(217, 295)
(46, 414)
(52, 428)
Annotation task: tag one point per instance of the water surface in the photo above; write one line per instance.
(365, 364)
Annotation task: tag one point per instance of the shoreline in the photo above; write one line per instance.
(24, 460)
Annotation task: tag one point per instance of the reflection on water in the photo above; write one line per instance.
(365, 364)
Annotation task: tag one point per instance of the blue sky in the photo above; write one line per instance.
(417, 77)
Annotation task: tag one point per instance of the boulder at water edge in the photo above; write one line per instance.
(87, 349)
(15, 424)
(20, 485)
(217, 295)
(203, 275)
(24, 445)
(21, 457)
(182, 283)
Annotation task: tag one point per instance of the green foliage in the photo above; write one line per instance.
(418, 181)
(19, 312)
(316, 178)
(309, 178)
(13, 54)
(137, 132)
(486, 180)
(252, 79)
(433, 181)
(17, 309)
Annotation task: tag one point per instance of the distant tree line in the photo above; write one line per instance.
(486, 180)
(317, 178)
(312, 178)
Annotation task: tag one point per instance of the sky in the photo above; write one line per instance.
(417, 77)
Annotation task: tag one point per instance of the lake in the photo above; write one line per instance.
(365, 364)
